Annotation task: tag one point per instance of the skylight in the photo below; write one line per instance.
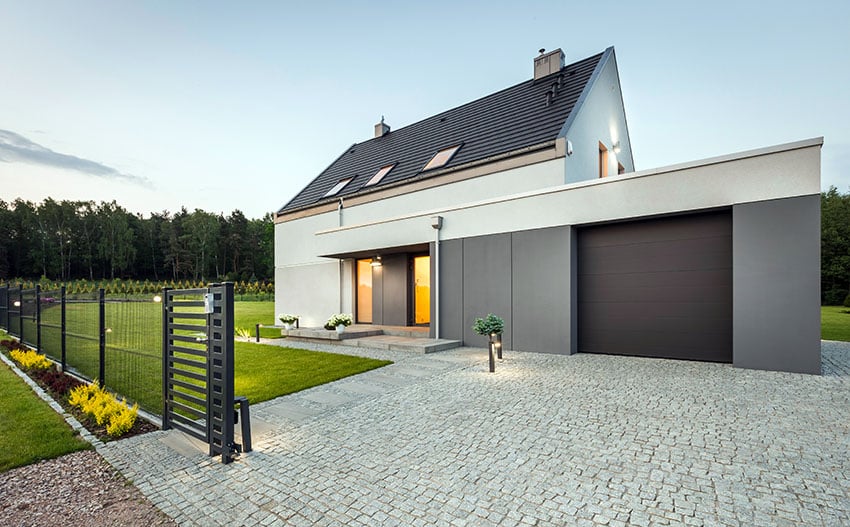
(379, 175)
(442, 157)
(339, 186)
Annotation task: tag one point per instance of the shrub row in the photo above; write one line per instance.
(138, 287)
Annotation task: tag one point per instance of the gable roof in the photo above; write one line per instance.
(508, 120)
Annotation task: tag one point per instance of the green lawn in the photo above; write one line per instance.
(264, 372)
(29, 428)
(835, 323)
(134, 347)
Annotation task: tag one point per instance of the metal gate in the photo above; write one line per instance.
(197, 368)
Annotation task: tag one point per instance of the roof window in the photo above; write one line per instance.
(339, 186)
(442, 157)
(379, 175)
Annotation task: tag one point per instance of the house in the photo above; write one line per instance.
(525, 203)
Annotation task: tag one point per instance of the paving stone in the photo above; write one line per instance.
(546, 440)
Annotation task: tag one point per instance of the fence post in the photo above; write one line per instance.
(21, 313)
(62, 325)
(101, 374)
(166, 423)
(38, 318)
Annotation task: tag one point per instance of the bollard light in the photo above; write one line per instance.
(17, 303)
(157, 298)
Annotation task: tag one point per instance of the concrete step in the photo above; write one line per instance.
(408, 344)
(324, 334)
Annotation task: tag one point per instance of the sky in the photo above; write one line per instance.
(239, 105)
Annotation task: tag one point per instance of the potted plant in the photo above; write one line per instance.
(288, 320)
(492, 326)
(339, 322)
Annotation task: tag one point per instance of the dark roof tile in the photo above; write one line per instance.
(504, 121)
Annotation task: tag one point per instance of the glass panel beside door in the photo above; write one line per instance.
(421, 289)
(364, 291)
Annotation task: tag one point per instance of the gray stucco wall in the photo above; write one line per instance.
(451, 289)
(541, 290)
(776, 281)
(524, 277)
(486, 285)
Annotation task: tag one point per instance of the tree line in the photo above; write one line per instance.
(835, 248)
(68, 240)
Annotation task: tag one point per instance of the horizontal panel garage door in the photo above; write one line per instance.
(657, 288)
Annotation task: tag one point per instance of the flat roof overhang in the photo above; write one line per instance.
(369, 253)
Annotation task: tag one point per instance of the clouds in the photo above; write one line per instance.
(15, 148)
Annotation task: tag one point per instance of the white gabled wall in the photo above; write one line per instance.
(600, 117)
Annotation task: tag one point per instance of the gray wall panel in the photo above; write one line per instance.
(451, 289)
(776, 275)
(395, 289)
(541, 290)
(486, 285)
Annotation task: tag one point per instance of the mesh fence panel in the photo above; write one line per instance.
(29, 329)
(51, 324)
(133, 362)
(82, 334)
(14, 312)
(4, 310)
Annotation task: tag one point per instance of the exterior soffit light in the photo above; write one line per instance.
(376, 261)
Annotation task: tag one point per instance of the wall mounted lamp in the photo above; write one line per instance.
(376, 261)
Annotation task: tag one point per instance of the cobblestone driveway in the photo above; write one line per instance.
(547, 440)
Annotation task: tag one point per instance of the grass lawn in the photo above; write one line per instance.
(264, 372)
(29, 428)
(134, 347)
(835, 323)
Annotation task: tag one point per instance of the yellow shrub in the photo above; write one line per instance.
(30, 360)
(104, 408)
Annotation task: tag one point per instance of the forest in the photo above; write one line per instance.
(70, 240)
(835, 248)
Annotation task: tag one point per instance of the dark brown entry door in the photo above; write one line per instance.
(657, 288)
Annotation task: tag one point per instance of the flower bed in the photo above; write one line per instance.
(98, 410)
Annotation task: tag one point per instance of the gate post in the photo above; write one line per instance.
(220, 419)
(166, 422)
(101, 375)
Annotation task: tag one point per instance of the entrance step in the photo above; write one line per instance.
(323, 334)
(408, 344)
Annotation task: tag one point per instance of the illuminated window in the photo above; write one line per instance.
(339, 186)
(603, 160)
(364, 291)
(442, 157)
(379, 175)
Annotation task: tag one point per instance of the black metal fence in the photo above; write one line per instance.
(114, 341)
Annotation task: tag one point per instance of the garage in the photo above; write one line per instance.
(657, 288)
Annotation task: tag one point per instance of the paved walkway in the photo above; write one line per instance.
(547, 440)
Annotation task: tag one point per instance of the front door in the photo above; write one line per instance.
(421, 282)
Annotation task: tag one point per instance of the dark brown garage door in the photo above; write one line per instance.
(657, 288)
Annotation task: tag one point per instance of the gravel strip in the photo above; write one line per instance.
(77, 489)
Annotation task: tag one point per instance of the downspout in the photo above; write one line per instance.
(437, 224)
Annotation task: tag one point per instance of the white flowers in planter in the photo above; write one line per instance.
(288, 320)
(340, 319)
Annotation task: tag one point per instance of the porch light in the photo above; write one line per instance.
(376, 261)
